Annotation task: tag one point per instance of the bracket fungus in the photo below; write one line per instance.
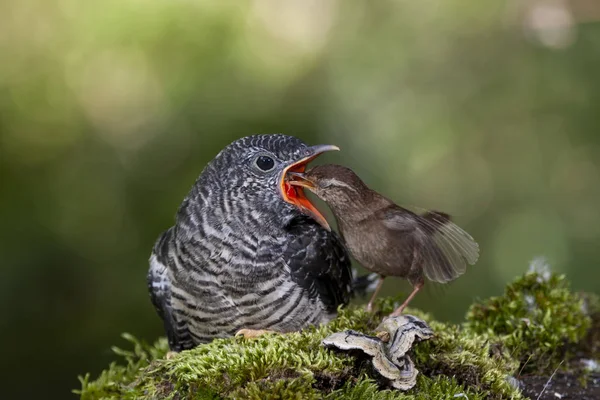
(388, 350)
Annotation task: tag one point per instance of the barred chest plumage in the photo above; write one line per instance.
(230, 290)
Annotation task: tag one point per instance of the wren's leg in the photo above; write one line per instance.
(377, 289)
(252, 333)
(399, 310)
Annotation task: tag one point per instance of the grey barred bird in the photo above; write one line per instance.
(248, 251)
(386, 238)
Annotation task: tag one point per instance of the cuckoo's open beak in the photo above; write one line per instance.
(294, 194)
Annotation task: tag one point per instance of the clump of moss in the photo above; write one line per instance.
(472, 359)
(295, 365)
(274, 387)
(278, 362)
(536, 319)
(114, 382)
(440, 387)
(536, 316)
(274, 362)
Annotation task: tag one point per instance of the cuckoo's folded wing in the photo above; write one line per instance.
(318, 262)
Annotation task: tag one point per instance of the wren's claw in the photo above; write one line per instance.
(253, 333)
(400, 309)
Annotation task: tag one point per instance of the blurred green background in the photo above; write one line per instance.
(109, 110)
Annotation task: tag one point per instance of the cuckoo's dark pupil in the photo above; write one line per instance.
(265, 163)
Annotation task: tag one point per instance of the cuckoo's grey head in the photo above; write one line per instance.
(248, 180)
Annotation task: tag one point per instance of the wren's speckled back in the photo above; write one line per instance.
(240, 256)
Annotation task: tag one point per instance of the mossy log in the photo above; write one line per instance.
(507, 348)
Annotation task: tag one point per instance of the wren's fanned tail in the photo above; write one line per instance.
(446, 248)
(437, 218)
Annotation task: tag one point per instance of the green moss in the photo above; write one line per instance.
(278, 388)
(223, 364)
(472, 359)
(365, 388)
(441, 387)
(115, 381)
(536, 319)
(475, 359)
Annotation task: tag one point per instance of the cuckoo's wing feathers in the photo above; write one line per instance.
(318, 262)
(159, 287)
(445, 248)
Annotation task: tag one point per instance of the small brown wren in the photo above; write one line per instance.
(386, 238)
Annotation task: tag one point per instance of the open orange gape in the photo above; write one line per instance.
(295, 194)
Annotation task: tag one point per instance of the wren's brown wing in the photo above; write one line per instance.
(446, 249)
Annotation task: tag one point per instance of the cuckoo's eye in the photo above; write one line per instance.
(265, 163)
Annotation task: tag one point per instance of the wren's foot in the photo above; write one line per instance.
(253, 333)
(170, 354)
(399, 310)
(371, 303)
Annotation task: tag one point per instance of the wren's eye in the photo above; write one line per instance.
(265, 163)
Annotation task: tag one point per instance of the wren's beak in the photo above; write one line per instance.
(301, 180)
(292, 191)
